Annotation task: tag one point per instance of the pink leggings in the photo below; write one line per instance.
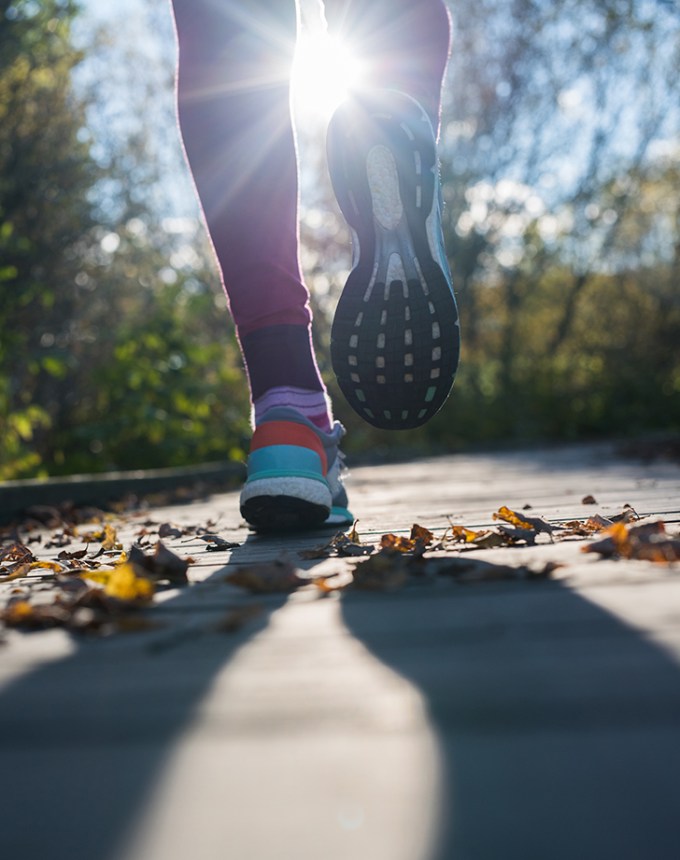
(233, 98)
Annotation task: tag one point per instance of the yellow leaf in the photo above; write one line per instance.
(460, 533)
(504, 513)
(124, 584)
(110, 538)
(50, 565)
(17, 572)
(354, 534)
(18, 612)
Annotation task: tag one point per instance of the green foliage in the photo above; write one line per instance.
(110, 356)
(115, 346)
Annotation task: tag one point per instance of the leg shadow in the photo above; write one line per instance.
(558, 724)
(84, 740)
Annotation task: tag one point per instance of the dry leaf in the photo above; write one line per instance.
(168, 530)
(16, 552)
(465, 569)
(274, 577)
(589, 500)
(522, 521)
(420, 533)
(384, 571)
(217, 543)
(124, 584)
(646, 542)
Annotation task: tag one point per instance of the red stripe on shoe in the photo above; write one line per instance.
(288, 433)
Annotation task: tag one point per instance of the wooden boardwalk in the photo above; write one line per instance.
(443, 720)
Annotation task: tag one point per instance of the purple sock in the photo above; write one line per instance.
(283, 372)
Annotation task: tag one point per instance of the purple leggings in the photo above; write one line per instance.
(234, 112)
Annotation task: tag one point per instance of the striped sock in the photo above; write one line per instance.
(312, 404)
(282, 371)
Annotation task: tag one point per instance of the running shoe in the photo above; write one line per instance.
(395, 337)
(294, 475)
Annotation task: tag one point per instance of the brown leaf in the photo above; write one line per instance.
(420, 533)
(217, 543)
(17, 571)
(168, 530)
(68, 556)
(646, 542)
(317, 552)
(162, 565)
(522, 521)
(420, 538)
(396, 543)
(465, 569)
(384, 571)
(336, 582)
(16, 552)
(353, 535)
(589, 500)
(274, 577)
(344, 546)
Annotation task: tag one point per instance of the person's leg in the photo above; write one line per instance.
(402, 44)
(395, 339)
(234, 112)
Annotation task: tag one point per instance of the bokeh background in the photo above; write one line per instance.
(560, 151)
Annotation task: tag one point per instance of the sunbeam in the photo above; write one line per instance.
(324, 70)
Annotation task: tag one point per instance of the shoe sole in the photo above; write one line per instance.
(395, 339)
(285, 504)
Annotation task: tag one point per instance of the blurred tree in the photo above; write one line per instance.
(45, 176)
(113, 352)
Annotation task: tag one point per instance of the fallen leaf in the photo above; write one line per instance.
(47, 565)
(267, 578)
(465, 569)
(24, 615)
(217, 543)
(345, 546)
(538, 524)
(589, 500)
(168, 530)
(110, 538)
(16, 552)
(17, 571)
(384, 571)
(353, 535)
(125, 584)
(162, 565)
(420, 533)
(336, 582)
(646, 542)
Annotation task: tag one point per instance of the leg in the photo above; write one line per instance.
(403, 44)
(233, 106)
(395, 339)
(234, 111)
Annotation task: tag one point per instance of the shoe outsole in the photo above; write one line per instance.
(395, 339)
(282, 514)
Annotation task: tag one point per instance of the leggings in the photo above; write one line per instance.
(234, 113)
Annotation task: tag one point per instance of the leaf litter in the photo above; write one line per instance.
(101, 590)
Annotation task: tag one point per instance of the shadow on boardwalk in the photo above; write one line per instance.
(557, 724)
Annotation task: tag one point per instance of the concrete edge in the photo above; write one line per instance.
(16, 497)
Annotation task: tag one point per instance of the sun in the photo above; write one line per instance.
(324, 71)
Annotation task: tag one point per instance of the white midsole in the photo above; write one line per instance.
(305, 489)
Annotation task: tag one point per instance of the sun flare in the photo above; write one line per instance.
(324, 70)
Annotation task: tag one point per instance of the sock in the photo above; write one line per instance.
(282, 371)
